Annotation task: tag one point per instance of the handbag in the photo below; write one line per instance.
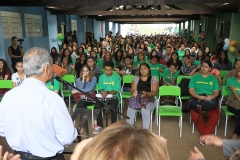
(80, 96)
(138, 102)
(204, 105)
(232, 101)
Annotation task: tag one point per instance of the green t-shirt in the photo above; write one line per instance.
(196, 63)
(136, 59)
(180, 53)
(110, 83)
(73, 61)
(233, 82)
(166, 75)
(155, 69)
(152, 46)
(55, 87)
(204, 85)
(233, 61)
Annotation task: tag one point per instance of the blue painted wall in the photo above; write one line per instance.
(80, 30)
(89, 27)
(28, 41)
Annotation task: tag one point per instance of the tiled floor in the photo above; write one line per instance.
(178, 147)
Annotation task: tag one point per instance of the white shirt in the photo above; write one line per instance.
(36, 120)
(16, 79)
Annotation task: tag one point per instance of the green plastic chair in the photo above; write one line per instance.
(65, 92)
(223, 73)
(91, 107)
(169, 110)
(224, 81)
(127, 79)
(225, 109)
(5, 84)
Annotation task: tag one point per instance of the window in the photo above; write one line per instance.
(11, 24)
(33, 25)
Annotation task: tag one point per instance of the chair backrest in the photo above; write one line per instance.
(128, 78)
(103, 70)
(169, 91)
(180, 77)
(69, 78)
(224, 91)
(6, 84)
(224, 81)
(223, 73)
(96, 87)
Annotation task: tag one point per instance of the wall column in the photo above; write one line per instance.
(189, 28)
(113, 28)
(210, 31)
(119, 28)
(196, 30)
(235, 23)
(52, 30)
(2, 48)
(106, 28)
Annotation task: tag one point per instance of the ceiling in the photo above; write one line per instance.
(134, 11)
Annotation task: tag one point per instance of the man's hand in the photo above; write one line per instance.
(195, 155)
(212, 140)
(8, 156)
(104, 94)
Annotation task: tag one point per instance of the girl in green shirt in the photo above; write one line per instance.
(204, 86)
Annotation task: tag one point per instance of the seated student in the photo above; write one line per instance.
(156, 68)
(82, 60)
(53, 85)
(232, 72)
(141, 58)
(86, 82)
(169, 78)
(118, 57)
(181, 51)
(5, 74)
(234, 90)
(234, 60)
(188, 69)
(94, 68)
(174, 59)
(109, 83)
(105, 58)
(204, 86)
(68, 67)
(19, 76)
(223, 63)
(214, 57)
(194, 61)
(120, 141)
(126, 68)
(145, 86)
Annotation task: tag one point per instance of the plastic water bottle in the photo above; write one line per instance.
(95, 124)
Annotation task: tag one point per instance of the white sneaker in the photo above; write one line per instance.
(97, 130)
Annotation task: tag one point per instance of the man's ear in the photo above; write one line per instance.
(45, 69)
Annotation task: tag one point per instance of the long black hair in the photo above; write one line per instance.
(5, 68)
(225, 61)
(148, 82)
(69, 56)
(116, 55)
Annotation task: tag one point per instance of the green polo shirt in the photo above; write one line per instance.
(167, 75)
(233, 82)
(110, 83)
(54, 87)
(180, 53)
(204, 85)
(197, 63)
(155, 69)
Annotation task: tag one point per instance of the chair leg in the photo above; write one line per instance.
(215, 130)
(69, 104)
(92, 119)
(179, 122)
(192, 127)
(159, 122)
(226, 122)
(180, 126)
(151, 121)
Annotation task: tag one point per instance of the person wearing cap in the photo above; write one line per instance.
(236, 58)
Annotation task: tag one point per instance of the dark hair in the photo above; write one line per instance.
(203, 56)
(186, 56)
(171, 60)
(109, 64)
(148, 82)
(208, 62)
(18, 61)
(116, 56)
(226, 58)
(152, 53)
(155, 57)
(186, 51)
(5, 68)
(173, 64)
(168, 47)
(129, 57)
(91, 57)
(69, 56)
(13, 38)
(193, 55)
(85, 60)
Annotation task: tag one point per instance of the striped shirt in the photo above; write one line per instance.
(35, 120)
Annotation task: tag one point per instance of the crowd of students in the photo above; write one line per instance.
(154, 60)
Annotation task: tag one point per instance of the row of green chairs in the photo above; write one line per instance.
(6, 84)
